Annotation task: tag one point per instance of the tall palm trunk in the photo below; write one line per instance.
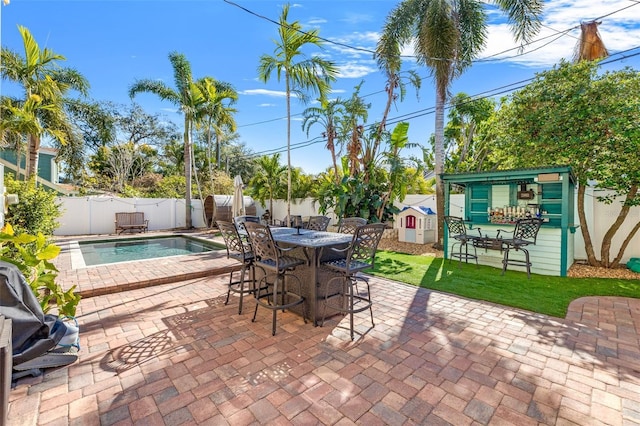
(187, 170)
(288, 145)
(33, 150)
(439, 154)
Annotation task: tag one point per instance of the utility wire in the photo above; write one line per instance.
(492, 58)
(430, 110)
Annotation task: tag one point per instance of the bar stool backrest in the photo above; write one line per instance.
(456, 226)
(235, 246)
(365, 243)
(262, 242)
(240, 220)
(526, 230)
(348, 225)
(318, 223)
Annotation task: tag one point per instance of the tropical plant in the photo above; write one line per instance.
(32, 255)
(448, 35)
(188, 97)
(215, 115)
(309, 74)
(328, 116)
(37, 210)
(269, 181)
(466, 146)
(353, 130)
(571, 115)
(46, 86)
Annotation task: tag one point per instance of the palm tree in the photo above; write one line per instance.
(267, 183)
(186, 96)
(308, 74)
(45, 86)
(448, 35)
(328, 115)
(217, 111)
(352, 129)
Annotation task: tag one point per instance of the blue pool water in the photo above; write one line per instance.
(102, 252)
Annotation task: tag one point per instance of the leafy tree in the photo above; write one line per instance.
(47, 85)
(447, 35)
(571, 115)
(269, 180)
(188, 97)
(239, 160)
(309, 74)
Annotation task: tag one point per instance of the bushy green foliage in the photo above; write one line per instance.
(37, 210)
(32, 255)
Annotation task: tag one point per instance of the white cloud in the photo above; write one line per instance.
(264, 92)
(267, 105)
(356, 69)
(560, 31)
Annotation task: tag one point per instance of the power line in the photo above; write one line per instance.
(491, 58)
(430, 110)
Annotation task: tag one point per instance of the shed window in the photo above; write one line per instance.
(411, 222)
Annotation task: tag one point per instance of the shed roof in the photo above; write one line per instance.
(513, 175)
(419, 209)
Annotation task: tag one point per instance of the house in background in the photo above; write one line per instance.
(48, 168)
(417, 224)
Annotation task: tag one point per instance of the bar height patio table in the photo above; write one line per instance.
(312, 244)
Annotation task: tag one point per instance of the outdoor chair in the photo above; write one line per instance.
(348, 225)
(239, 249)
(525, 233)
(240, 220)
(359, 255)
(458, 231)
(273, 289)
(288, 221)
(318, 223)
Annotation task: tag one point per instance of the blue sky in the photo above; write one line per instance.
(113, 43)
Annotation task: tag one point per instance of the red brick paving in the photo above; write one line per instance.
(175, 354)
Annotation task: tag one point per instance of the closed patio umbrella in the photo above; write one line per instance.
(237, 207)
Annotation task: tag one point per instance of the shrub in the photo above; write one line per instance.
(32, 255)
(37, 210)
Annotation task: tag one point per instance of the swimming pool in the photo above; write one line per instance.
(124, 250)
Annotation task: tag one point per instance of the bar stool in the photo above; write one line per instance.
(242, 252)
(360, 255)
(275, 295)
(525, 233)
(318, 223)
(348, 225)
(458, 231)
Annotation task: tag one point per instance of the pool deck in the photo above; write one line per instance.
(174, 354)
(104, 279)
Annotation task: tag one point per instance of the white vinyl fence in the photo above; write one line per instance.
(95, 215)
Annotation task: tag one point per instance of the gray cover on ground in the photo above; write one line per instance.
(33, 332)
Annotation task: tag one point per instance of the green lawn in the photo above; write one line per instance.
(543, 294)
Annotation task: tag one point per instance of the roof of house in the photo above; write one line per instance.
(419, 209)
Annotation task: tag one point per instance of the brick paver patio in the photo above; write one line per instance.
(175, 354)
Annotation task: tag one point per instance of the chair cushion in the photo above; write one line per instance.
(341, 265)
(286, 262)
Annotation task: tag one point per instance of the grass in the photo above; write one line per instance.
(543, 294)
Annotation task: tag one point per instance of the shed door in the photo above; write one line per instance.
(411, 222)
(410, 231)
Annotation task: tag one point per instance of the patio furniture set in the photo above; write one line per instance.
(301, 270)
(524, 233)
